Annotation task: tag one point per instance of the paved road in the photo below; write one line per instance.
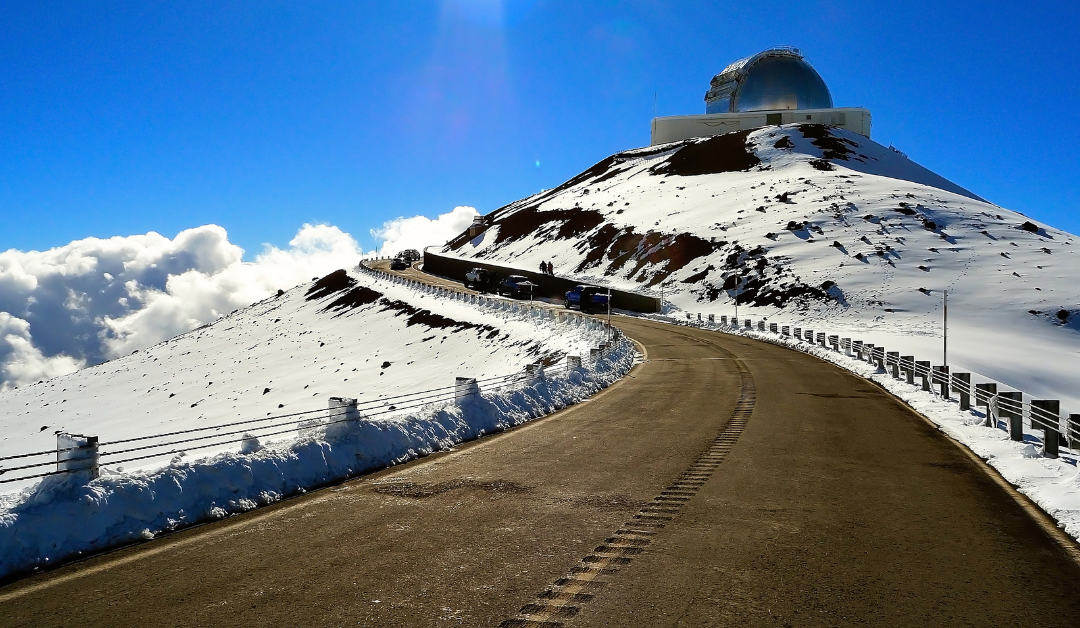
(725, 482)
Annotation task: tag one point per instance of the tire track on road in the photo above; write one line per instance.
(564, 597)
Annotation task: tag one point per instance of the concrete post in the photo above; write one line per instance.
(699, 317)
(941, 377)
(465, 388)
(922, 369)
(723, 321)
(820, 338)
(342, 416)
(878, 357)
(797, 333)
(712, 318)
(907, 362)
(961, 383)
(868, 352)
(834, 342)
(857, 347)
(845, 344)
(1072, 437)
(761, 325)
(892, 358)
(81, 455)
(747, 323)
(594, 355)
(573, 362)
(785, 331)
(1014, 412)
(988, 391)
(773, 327)
(1049, 420)
(534, 371)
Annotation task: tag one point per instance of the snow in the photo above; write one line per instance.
(814, 225)
(305, 346)
(1052, 483)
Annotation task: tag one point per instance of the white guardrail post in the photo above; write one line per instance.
(76, 452)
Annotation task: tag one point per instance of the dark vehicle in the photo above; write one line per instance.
(517, 286)
(587, 299)
(480, 279)
(410, 256)
(398, 264)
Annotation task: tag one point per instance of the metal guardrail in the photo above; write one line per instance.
(76, 452)
(1013, 411)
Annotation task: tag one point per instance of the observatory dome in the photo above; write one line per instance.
(775, 79)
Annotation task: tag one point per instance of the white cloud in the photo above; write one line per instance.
(95, 299)
(420, 231)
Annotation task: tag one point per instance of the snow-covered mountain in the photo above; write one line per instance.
(816, 225)
(345, 335)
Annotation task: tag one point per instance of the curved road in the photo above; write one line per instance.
(724, 482)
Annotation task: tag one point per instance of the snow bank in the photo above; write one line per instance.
(66, 516)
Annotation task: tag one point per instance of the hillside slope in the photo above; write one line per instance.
(815, 225)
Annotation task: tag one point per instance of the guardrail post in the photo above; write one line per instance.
(1050, 426)
(988, 391)
(868, 352)
(82, 454)
(785, 330)
(1072, 436)
(892, 358)
(797, 333)
(845, 344)
(773, 327)
(747, 323)
(1014, 412)
(922, 369)
(961, 383)
(877, 356)
(573, 362)
(465, 388)
(723, 320)
(594, 355)
(712, 318)
(834, 342)
(941, 377)
(820, 338)
(909, 369)
(761, 325)
(534, 371)
(857, 348)
(342, 416)
(808, 335)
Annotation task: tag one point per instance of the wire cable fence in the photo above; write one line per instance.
(1011, 410)
(76, 452)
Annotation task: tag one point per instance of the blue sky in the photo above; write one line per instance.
(123, 118)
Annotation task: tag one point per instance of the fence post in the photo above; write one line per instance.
(1014, 412)
(961, 383)
(1050, 426)
(892, 358)
(465, 388)
(941, 376)
(988, 391)
(82, 454)
(922, 369)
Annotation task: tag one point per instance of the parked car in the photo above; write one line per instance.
(398, 264)
(410, 256)
(480, 279)
(587, 299)
(517, 286)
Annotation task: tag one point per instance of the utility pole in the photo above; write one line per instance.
(609, 307)
(945, 344)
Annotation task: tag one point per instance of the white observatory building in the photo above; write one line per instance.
(775, 86)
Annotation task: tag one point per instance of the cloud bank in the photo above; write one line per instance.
(96, 299)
